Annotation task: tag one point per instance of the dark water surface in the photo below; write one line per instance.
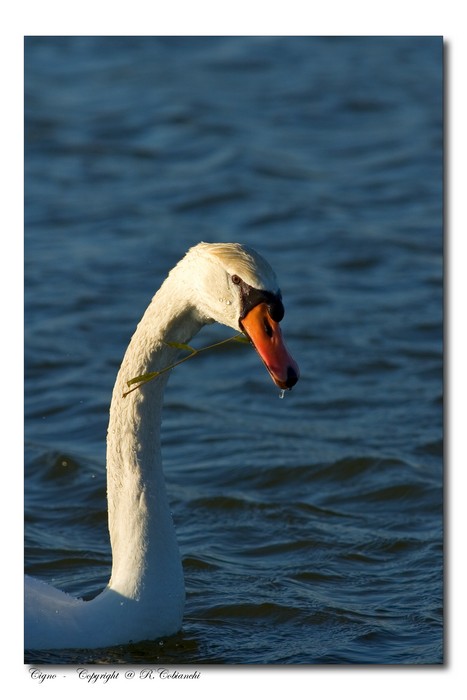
(310, 527)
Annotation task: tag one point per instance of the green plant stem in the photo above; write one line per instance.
(145, 378)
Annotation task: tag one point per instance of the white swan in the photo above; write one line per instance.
(144, 598)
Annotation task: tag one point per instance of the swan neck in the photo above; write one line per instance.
(144, 548)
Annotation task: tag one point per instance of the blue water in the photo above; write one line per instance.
(311, 529)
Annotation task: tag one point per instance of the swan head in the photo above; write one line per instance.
(237, 287)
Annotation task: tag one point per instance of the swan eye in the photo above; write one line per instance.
(236, 279)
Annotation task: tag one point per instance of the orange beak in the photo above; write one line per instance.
(266, 336)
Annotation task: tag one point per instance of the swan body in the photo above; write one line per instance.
(144, 599)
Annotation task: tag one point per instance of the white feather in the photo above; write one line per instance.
(145, 595)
